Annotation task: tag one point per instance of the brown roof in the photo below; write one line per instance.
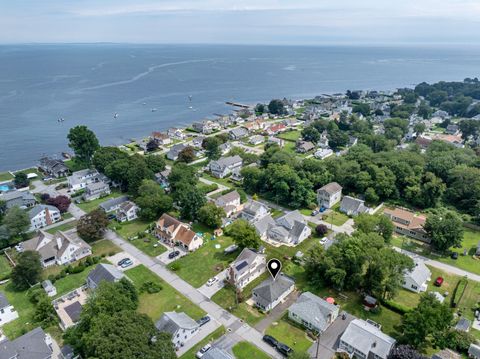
(159, 135)
(185, 235)
(168, 222)
(415, 222)
(423, 141)
(331, 188)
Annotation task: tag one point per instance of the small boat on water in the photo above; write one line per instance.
(154, 109)
(66, 155)
(61, 119)
(190, 107)
(116, 115)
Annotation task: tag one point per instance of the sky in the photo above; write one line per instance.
(276, 22)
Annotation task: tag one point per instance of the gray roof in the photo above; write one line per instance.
(47, 285)
(106, 272)
(95, 186)
(252, 207)
(111, 203)
(227, 161)
(176, 149)
(463, 325)
(73, 311)
(29, 346)
(239, 132)
(270, 290)
(3, 301)
(11, 195)
(244, 260)
(263, 224)
(291, 217)
(39, 208)
(474, 350)
(353, 205)
(228, 197)
(217, 353)
(367, 338)
(331, 188)
(313, 309)
(420, 273)
(170, 322)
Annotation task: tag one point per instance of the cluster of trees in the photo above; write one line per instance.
(337, 136)
(14, 222)
(243, 234)
(92, 226)
(362, 260)
(454, 97)
(111, 328)
(275, 106)
(27, 270)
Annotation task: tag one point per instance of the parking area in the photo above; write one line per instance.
(120, 256)
(204, 331)
(164, 257)
(209, 291)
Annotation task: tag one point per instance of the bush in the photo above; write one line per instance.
(321, 229)
(52, 278)
(150, 287)
(111, 253)
(459, 290)
(174, 266)
(396, 307)
(77, 269)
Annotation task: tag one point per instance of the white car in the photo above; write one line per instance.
(202, 351)
(211, 281)
(323, 240)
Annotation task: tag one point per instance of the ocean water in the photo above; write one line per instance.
(88, 84)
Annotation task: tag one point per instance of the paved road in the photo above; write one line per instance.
(443, 266)
(277, 312)
(209, 291)
(229, 321)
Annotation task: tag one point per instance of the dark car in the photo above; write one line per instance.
(204, 320)
(270, 340)
(120, 262)
(111, 216)
(284, 349)
(173, 254)
(454, 255)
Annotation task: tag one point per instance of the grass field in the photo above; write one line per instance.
(224, 181)
(131, 229)
(290, 135)
(212, 260)
(289, 334)
(62, 227)
(5, 267)
(225, 298)
(212, 337)
(168, 299)
(91, 205)
(335, 218)
(104, 246)
(5, 176)
(245, 350)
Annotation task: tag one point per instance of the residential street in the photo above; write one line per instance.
(229, 321)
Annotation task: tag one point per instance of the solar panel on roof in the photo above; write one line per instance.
(241, 266)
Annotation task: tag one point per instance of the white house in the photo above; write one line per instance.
(96, 190)
(58, 248)
(43, 215)
(179, 325)
(253, 211)
(271, 292)
(416, 279)
(49, 288)
(323, 153)
(80, 179)
(353, 206)
(127, 211)
(329, 195)
(7, 312)
(230, 202)
(312, 312)
(291, 228)
(364, 340)
(225, 166)
(248, 266)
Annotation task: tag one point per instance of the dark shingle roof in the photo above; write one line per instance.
(73, 310)
(269, 290)
(106, 272)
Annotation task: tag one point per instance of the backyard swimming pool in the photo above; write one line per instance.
(5, 188)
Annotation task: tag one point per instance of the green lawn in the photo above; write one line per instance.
(62, 227)
(104, 246)
(467, 262)
(225, 298)
(197, 267)
(73, 165)
(290, 135)
(5, 267)
(224, 181)
(130, 230)
(290, 334)
(335, 218)
(244, 350)
(91, 205)
(31, 170)
(5, 176)
(168, 299)
(212, 337)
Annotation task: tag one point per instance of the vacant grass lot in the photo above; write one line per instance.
(104, 246)
(248, 351)
(335, 217)
(129, 230)
(290, 135)
(62, 227)
(91, 205)
(5, 267)
(198, 267)
(5, 176)
(167, 300)
(290, 334)
(213, 336)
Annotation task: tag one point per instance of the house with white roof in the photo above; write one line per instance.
(179, 325)
(80, 179)
(329, 195)
(43, 215)
(225, 166)
(248, 266)
(313, 312)
(364, 339)
(7, 311)
(417, 279)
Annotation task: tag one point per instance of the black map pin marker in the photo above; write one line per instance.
(274, 266)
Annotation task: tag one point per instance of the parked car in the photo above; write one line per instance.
(111, 216)
(202, 351)
(128, 262)
(438, 282)
(322, 209)
(173, 254)
(454, 255)
(315, 212)
(284, 349)
(121, 261)
(324, 240)
(204, 320)
(211, 281)
(270, 340)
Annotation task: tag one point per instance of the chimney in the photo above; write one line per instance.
(59, 242)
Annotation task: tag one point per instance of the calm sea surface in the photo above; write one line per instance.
(88, 84)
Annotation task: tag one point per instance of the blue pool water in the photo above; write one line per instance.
(4, 188)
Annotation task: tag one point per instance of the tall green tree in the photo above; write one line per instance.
(83, 142)
(27, 270)
(106, 155)
(211, 215)
(445, 230)
(21, 180)
(92, 226)
(190, 199)
(16, 221)
(152, 200)
(243, 234)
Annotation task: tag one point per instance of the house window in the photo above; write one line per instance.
(414, 287)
